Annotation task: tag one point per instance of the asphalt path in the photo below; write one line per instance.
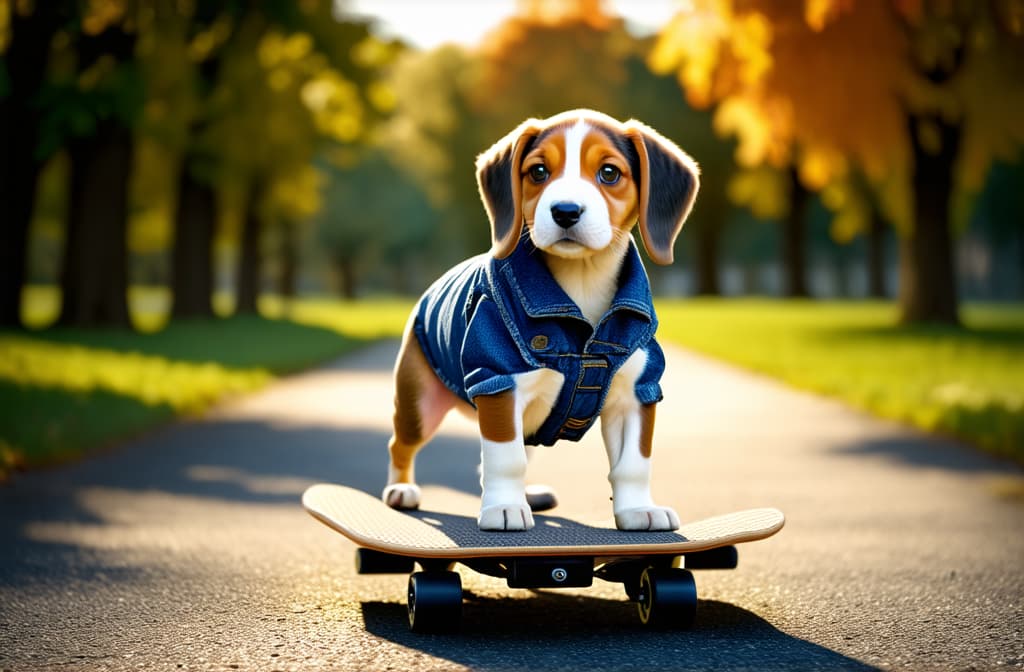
(188, 548)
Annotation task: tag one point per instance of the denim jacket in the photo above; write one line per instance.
(488, 319)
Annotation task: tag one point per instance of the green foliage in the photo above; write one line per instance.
(374, 214)
(74, 107)
(963, 383)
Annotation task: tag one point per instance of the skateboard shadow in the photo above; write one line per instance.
(550, 630)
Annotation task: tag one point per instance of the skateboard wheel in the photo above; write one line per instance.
(435, 601)
(724, 557)
(667, 598)
(369, 561)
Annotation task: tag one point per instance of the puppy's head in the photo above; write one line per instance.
(580, 180)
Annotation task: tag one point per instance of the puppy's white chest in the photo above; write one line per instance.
(591, 283)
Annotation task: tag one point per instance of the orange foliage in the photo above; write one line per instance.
(828, 84)
(814, 75)
(549, 45)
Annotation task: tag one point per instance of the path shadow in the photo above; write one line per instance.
(243, 461)
(928, 453)
(551, 630)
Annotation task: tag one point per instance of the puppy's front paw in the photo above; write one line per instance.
(402, 496)
(516, 517)
(647, 519)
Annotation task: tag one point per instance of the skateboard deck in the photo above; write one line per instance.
(559, 552)
(369, 522)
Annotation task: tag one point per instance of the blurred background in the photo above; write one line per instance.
(248, 188)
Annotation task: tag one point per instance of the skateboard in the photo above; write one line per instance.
(654, 567)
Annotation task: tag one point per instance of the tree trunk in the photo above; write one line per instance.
(192, 268)
(749, 274)
(1019, 296)
(876, 256)
(196, 217)
(25, 61)
(346, 270)
(95, 275)
(794, 239)
(927, 276)
(250, 260)
(707, 235)
(841, 271)
(288, 282)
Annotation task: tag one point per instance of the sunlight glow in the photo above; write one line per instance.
(427, 25)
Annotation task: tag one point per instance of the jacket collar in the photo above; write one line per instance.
(541, 296)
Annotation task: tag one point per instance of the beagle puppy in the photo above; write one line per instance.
(554, 327)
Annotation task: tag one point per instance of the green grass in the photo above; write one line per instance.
(64, 391)
(967, 383)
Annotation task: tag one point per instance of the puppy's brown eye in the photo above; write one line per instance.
(539, 173)
(609, 174)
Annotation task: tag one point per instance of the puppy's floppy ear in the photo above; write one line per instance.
(669, 179)
(501, 188)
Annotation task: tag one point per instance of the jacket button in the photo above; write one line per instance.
(539, 342)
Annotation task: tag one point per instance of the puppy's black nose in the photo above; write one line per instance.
(566, 213)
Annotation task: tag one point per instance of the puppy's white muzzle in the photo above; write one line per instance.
(592, 228)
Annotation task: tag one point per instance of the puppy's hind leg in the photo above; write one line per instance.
(421, 403)
(628, 428)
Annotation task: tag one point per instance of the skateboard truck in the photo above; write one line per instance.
(665, 594)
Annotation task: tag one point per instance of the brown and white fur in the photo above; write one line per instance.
(542, 163)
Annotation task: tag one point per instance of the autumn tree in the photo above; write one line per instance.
(653, 98)
(454, 103)
(918, 96)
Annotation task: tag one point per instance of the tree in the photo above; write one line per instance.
(891, 90)
(532, 66)
(209, 29)
(434, 135)
(654, 100)
(965, 114)
(25, 35)
(374, 215)
(102, 102)
(312, 85)
(538, 63)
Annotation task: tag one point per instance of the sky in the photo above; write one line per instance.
(427, 24)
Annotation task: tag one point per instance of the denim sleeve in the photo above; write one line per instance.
(648, 389)
(490, 357)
